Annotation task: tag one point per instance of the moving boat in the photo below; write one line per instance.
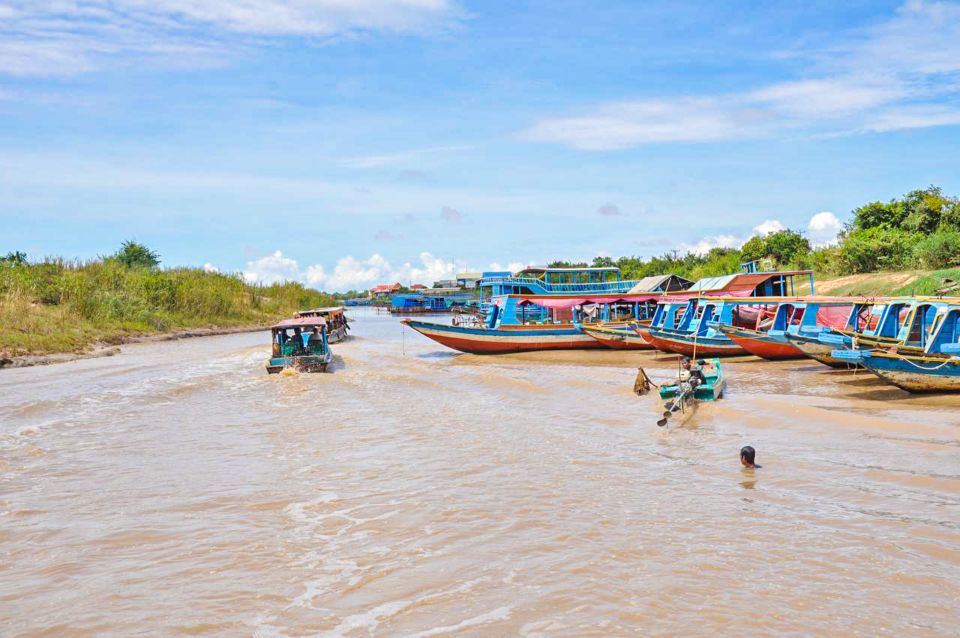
(688, 390)
(301, 344)
(335, 318)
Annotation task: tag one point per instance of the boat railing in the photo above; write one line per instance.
(555, 288)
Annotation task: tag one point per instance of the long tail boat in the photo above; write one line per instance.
(734, 300)
(907, 324)
(768, 337)
(623, 337)
(525, 322)
(936, 369)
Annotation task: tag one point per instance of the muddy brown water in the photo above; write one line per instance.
(176, 489)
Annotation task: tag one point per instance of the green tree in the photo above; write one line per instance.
(939, 250)
(786, 246)
(16, 258)
(603, 262)
(135, 255)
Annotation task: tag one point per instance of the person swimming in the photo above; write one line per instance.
(748, 457)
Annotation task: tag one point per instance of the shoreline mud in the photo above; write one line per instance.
(105, 349)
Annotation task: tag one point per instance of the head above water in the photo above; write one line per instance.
(747, 456)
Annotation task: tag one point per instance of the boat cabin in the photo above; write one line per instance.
(299, 343)
(335, 318)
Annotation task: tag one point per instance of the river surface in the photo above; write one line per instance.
(177, 489)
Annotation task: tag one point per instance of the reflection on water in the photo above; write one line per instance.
(177, 488)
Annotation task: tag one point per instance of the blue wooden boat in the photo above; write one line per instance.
(732, 300)
(300, 344)
(936, 369)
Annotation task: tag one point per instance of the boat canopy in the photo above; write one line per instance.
(300, 322)
(740, 284)
(565, 303)
(661, 283)
(320, 311)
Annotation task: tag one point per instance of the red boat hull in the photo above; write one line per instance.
(506, 339)
(699, 348)
(756, 344)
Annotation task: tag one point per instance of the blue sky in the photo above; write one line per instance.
(344, 143)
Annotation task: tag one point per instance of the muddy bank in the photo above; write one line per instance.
(108, 349)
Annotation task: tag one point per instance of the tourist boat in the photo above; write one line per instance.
(775, 320)
(336, 319)
(689, 323)
(863, 318)
(293, 346)
(523, 322)
(936, 369)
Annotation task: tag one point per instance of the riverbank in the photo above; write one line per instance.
(889, 284)
(56, 310)
(104, 349)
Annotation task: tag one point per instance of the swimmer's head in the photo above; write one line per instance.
(747, 456)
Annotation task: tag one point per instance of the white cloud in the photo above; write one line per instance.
(351, 273)
(706, 244)
(769, 226)
(57, 37)
(513, 266)
(400, 158)
(890, 76)
(272, 269)
(210, 268)
(824, 228)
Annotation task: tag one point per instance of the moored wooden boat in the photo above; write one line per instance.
(505, 339)
(622, 337)
(762, 343)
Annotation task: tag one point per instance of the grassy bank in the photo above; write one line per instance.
(889, 284)
(59, 306)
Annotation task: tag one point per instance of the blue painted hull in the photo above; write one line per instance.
(917, 374)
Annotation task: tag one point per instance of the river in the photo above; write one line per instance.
(177, 489)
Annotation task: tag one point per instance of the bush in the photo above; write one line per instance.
(877, 248)
(939, 250)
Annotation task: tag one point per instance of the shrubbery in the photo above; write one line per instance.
(919, 230)
(59, 305)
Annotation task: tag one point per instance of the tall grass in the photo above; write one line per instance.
(61, 306)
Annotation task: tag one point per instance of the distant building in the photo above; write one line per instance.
(384, 290)
(469, 279)
(446, 283)
(418, 287)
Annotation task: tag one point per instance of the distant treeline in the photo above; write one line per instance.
(57, 305)
(920, 230)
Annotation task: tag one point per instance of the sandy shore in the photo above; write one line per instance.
(101, 349)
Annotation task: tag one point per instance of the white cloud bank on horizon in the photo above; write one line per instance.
(823, 230)
(350, 273)
(886, 77)
(52, 37)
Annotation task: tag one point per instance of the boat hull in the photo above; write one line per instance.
(702, 346)
(625, 338)
(919, 375)
(761, 344)
(820, 352)
(506, 339)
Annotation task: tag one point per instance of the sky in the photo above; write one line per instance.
(345, 143)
